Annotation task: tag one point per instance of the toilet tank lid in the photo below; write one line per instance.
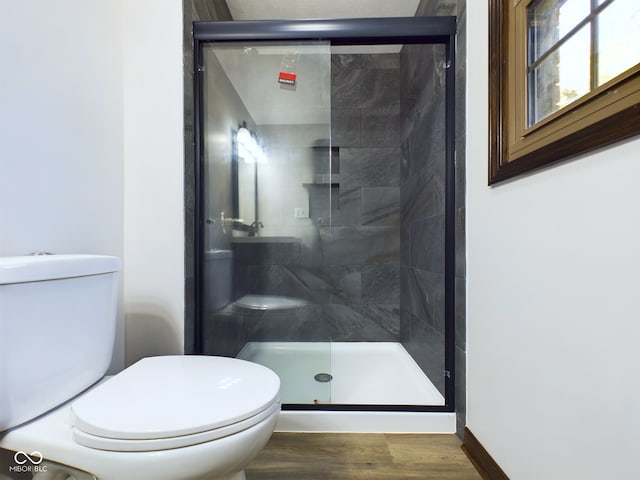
(37, 268)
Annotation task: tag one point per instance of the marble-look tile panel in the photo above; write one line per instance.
(426, 142)
(358, 83)
(293, 281)
(460, 243)
(360, 245)
(427, 244)
(346, 282)
(460, 294)
(381, 127)
(331, 284)
(417, 75)
(426, 346)
(423, 81)
(305, 282)
(381, 206)
(428, 8)
(346, 127)
(460, 317)
(405, 244)
(305, 324)
(385, 315)
(347, 210)
(416, 293)
(210, 10)
(380, 284)
(418, 199)
(405, 325)
(353, 323)
(371, 167)
(460, 183)
(460, 388)
(322, 285)
(438, 287)
(378, 61)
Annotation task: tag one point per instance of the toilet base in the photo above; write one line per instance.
(51, 436)
(48, 470)
(51, 470)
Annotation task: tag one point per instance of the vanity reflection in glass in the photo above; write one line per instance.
(281, 181)
(248, 152)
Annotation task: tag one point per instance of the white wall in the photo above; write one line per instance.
(91, 149)
(61, 129)
(553, 283)
(153, 192)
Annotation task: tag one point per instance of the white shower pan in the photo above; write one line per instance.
(363, 373)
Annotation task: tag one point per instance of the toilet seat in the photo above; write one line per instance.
(169, 402)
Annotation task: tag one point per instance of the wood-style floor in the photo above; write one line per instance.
(371, 456)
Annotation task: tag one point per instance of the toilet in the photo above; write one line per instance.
(163, 418)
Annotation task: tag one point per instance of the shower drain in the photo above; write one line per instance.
(323, 377)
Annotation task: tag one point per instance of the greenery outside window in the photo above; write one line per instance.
(564, 79)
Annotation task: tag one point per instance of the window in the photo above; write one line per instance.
(564, 79)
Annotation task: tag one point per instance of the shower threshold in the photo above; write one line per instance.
(361, 373)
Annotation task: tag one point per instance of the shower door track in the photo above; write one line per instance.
(353, 31)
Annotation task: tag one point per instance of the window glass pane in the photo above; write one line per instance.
(618, 39)
(560, 78)
(550, 20)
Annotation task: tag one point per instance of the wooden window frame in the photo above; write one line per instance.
(607, 114)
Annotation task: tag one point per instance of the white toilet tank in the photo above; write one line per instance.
(57, 329)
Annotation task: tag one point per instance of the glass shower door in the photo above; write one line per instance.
(266, 201)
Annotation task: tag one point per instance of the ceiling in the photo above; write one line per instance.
(303, 9)
(253, 70)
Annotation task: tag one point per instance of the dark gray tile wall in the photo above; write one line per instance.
(460, 296)
(457, 8)
(192, 10)
(422, 207)
(365, 234)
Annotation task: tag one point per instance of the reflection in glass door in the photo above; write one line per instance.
(266, 201)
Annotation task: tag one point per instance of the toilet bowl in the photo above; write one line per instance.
(174, 417)
(163, 418)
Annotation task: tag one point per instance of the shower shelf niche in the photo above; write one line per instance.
(322, 184)
(324, 180)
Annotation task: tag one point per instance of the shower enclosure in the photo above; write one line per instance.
(325, 211)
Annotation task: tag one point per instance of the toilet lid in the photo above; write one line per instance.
(175, 398)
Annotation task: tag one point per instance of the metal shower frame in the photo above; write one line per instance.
(360, 31)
